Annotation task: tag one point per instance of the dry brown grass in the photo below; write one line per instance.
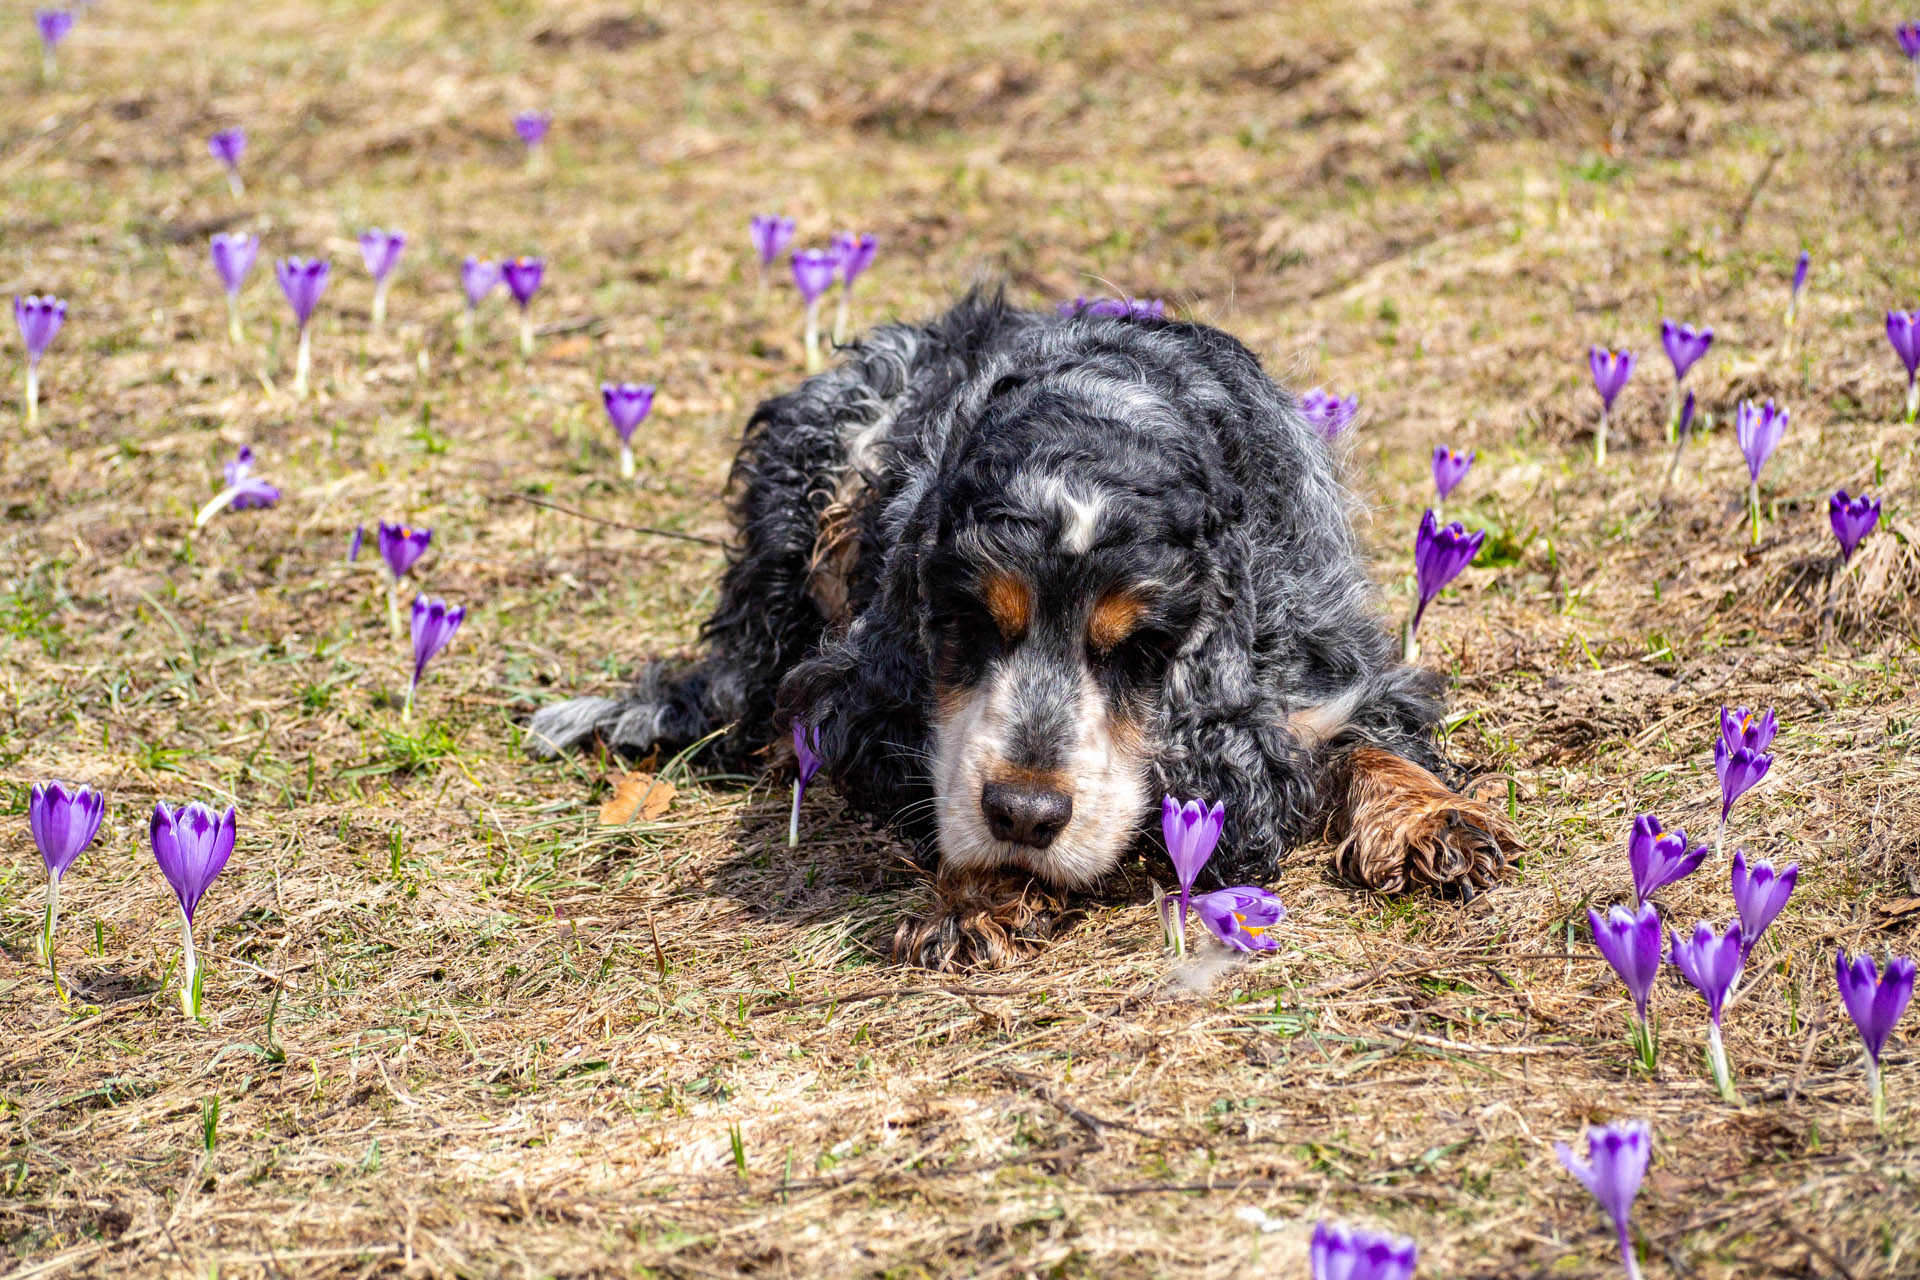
(519, 1043)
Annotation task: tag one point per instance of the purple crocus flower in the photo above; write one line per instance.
(532, 126)
(1340, 1252)
(523, 276)
(771, 235)
(806, 763)
(1908, 34)
(1903, 331)
(856, 254)
(1685, 345)
(1875, 999)
(434, 625)
(227, 146)
(1659, 858)
(1242, 916)
(1759, 892)
(1610, 371)
(1192, 832)
(1852, 519)
(233, 257)
(1449, 469)
(1712, 962)
(192, 845)
(54, 26)
(1800, 266)
(244, 491)
(64, 819)
(1739, 769)
(1759, 430)
(1439, 554)
(39, 318)
(628, 404)
(813, 271)
(401, 547)
(303, 280)
(1633, 942)
(1617, 1156)
(354, 543)
(478, 277)
(1755, 731)
(381, 251)
(1114, 308)
(1328, 413)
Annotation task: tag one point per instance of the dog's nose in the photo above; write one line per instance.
(1020, 813)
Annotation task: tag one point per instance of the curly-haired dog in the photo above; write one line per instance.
(1026, 574)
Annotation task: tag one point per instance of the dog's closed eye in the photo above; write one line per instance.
(1114, 617)
(1009, 602)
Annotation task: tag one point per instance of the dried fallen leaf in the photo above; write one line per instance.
(640, 793)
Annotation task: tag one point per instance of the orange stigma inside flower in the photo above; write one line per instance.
(1251, 930)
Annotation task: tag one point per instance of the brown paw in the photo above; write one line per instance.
(1400, 828)
(980, 920)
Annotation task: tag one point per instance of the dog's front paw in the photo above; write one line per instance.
(980, 920)
(1401, 828)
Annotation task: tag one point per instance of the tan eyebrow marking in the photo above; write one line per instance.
(1009, 603)
(1115, 616)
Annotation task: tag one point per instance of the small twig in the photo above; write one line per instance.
(1753, 192)
(1048, 1094)
(702, 539)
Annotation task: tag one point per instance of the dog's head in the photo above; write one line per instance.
(1070, 562)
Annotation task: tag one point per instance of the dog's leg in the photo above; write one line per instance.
(980, 920)
(1398, 828)
(667, 707)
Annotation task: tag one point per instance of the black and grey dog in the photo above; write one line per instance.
(1028, 574)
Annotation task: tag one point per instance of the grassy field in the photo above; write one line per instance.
(511, 1038)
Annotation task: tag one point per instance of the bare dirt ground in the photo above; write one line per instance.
(512, 1039)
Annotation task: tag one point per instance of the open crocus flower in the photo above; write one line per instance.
(1739, 767)
(806, 763)
(1684, 345)
(192, 845)
(856, 254)
(477, 279)
(244, 491)
(381, 251)
(1875, 999)
(1328, 413)
(813, 271)
(401, 547)
(531, 128)
(39, 318)
(434, 625)
(54, 26)
(1712, 962)
(1340, 1252)
(771, 234)
(1617, 1156)
(1634, 943)
(1242, 916)
(1759, 429)
(1759, 892)
(227, 146)
(1449, 469)
(628, 404)
(1903, 331)
(1852, 520)
(303, 280)
(1439, 554)
(1659, 858)
(1754, 730)
(1610, 370)
(523, 276)
(64, 820)
(1192, 832)
(233, 257)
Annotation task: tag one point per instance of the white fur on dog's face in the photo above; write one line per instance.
(1102, 767)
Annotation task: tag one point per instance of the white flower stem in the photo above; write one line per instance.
(1877, 1090)
(33, 393)
(235, 334)
(626, 461)
(1753, 508)
(189, 972)
(1673, 415)
(393, 607)
(303, 363)
(813, 336)
(234, 184)
(49, 69)
(1717, 1061)
(1600, 440)
(1409, 637)
(840, 317)
(1913, 399)
(526, 333)
(379, 305)
(793, 822)
(466, 328)
(216, 506)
